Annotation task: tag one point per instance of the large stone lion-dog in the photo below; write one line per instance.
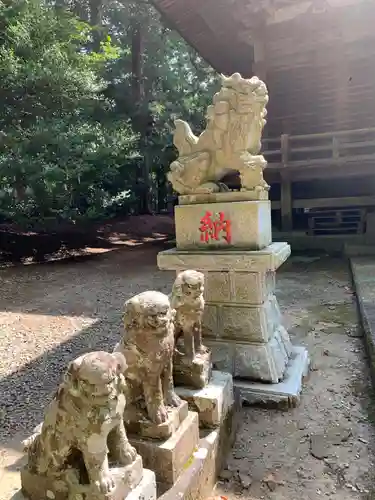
(83, 423)
(148, 345)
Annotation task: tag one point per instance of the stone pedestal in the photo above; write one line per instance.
(250, 223)
(168, 457)
(138, 424)
(146, 489)
(196, 373)
(242, 321)
(214, 402)
(36, 487)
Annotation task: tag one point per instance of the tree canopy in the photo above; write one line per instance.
(89, 93)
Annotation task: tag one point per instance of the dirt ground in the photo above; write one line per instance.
(53, 312)
(273, 457)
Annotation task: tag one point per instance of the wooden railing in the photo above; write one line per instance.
(319, 149)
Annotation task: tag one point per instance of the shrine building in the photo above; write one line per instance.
(317, 58)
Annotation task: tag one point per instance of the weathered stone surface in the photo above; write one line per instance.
(285, 394)
(146, 490)
(210, 325)
(223, 197)
(239, 288)
(192, 360)
(255, 361)
(268, 259)
(263, 345)
(223, 354)
(148, 345)
(252, 288)
(195, 374)
(84, 420)
(255, 323)
(137, 423)
(250, 223)
(266, 362)
(188, 302)
(199, 476)
(167, 458)
(218, 287)
(364, 281)
(250, 324)
(230, 143)
(213, 402)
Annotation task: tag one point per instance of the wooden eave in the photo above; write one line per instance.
(221, 31)
(211, 29)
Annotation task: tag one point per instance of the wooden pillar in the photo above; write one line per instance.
(286, 187)
(259, 38)
(286, 203)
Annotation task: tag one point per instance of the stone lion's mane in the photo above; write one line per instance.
(68, 392)
(178, 296)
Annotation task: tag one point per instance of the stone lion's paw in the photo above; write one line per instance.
(106, 484)
(129, 455)
(161, 415)
(173, 400)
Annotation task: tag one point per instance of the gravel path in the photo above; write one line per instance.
(51, 313)
(324, 448)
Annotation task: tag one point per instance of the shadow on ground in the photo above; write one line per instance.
(48, 288)
(85, 303)
(29, 389)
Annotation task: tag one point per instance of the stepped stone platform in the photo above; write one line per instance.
(363, 271)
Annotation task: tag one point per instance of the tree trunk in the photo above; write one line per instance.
(136, 62)
(96, 7)
(140, 124)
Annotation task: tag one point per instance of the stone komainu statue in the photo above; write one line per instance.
(188, 302)
(148, 345)
(82, 424)
(230, 143)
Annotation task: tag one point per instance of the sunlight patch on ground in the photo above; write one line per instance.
(34, 335)
(30, 321)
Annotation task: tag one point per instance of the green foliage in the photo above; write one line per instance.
(75, 143)
(62, 146)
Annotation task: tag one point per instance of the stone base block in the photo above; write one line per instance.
(250, 323)
(240, 288)
(264, 362)
(285, 394)
(199, 477)
(244, 224)
(195, 373)
(138, 424)
(37, 487)
(168, 458)
(268, 259)
(225, 196)
(213, 402)
(146, 490)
